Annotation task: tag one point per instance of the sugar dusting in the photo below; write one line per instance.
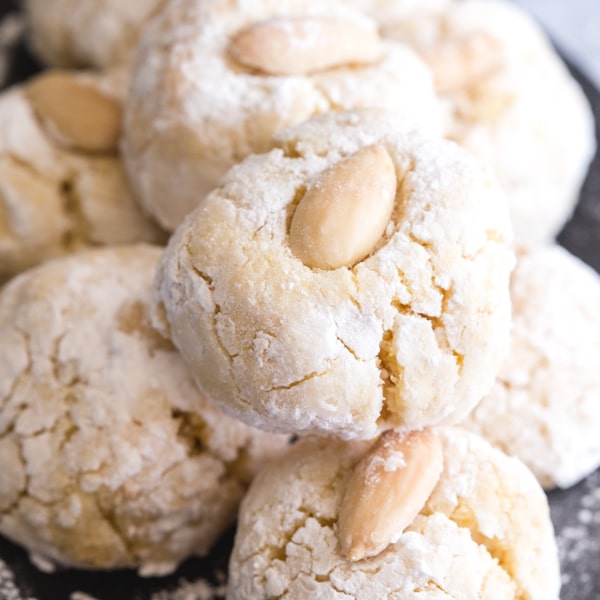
(577, 522)
(8, 588)
(195, 590)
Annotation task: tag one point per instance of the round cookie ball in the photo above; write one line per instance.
(510, 102)
(212, 82)
(110, 456)
(62, 185)
(484, 532)
(93, 33)
(411, 335)
(544, 406)
(386, 10)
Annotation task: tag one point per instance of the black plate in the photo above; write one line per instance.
(575, 512)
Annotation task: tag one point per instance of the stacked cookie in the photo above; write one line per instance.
(63, 185)
(111, 457)
(338, 272)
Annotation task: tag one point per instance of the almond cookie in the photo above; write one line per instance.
(110, 456)
(481, 530)
(544, 405)
(93, 33)
(511, 102)
(214, 80)
(62, 186)
(385, 10)
(352, 279)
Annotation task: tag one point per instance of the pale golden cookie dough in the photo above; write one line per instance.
(544, 405)
(510, 101)
(88, 33)
(63, 187)
(485, 531)
(412, 335)
(195, 109)
(110, 456)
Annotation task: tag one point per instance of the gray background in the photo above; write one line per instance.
(575, 26)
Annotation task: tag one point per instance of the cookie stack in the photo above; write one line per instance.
(337, 185)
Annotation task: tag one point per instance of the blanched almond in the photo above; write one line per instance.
(75, 113)
(298, 46)
(387, 490)
(343, 215)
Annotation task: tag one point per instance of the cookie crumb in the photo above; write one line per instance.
(196, 590)
(81, 596)
(42, 563)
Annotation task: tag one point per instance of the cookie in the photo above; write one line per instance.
(386, 11)
(214, 80)
(511, 102)
(543, 407)
(352, 279)
(482, 532)
(110, 456)
(94, 33)
(62, 186)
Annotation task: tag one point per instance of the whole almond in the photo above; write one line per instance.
(75, 113)
(459, 62)
(345, 212)
(299, 46)
(387, 490)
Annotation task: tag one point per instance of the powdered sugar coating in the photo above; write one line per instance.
(412, 335)
(524, 114)
(386, 11)
(110, 456)
(485, 531)
(94, 33)
(193, 111)
(544, 405)
(54, 201)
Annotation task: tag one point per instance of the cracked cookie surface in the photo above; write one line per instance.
(411, 335)
(94, 33)
(55, 199)
(510, 101)
(544, 406)
(194, 110)
(110, 456)
(485, 531)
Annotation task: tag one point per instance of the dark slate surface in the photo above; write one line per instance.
(575, 512)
